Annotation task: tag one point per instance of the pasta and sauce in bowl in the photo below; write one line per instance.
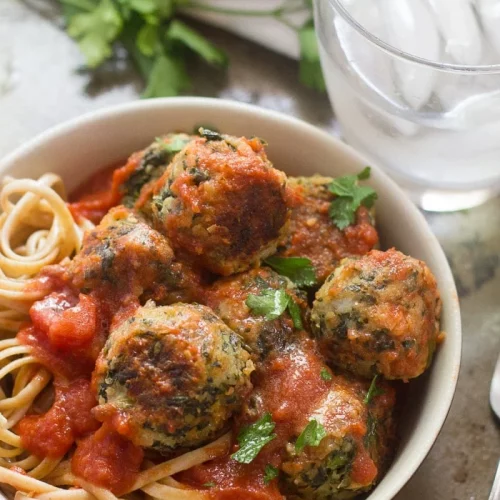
(199, 323)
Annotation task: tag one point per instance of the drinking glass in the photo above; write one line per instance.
(415, 85)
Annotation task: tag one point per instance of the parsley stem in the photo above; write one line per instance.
(278, 12)
(86, 5)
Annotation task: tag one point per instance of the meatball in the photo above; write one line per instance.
(313, 234)
(379, 314)
(356, 447)
(222, 202)
(170, 377)
(146, 166)
(122, 252)
(125, 255)
(228, 296)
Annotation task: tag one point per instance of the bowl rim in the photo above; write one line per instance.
(204, 103)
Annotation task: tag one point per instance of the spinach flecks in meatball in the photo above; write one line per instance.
(122, 253)
(148, 165)
(228, 297)
(222, 203)
(379, 314)
(355, 445)
(174, 376)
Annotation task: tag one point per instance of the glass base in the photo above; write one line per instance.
(440, 200)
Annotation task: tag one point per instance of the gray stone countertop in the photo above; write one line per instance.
(41, 85)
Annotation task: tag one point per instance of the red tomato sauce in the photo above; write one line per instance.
(93, 199)
(53, 433)
(288, 387)
(68, 330)
(107, 459)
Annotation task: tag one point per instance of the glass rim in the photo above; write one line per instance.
(387, 47)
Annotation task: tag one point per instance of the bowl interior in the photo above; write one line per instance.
(81, 147)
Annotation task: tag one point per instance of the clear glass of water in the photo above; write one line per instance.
(415, 85)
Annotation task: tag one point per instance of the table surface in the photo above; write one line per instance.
(41, 85)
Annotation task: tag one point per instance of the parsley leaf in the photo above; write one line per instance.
(273, 303)
(312, 435)
(349, 197)
(270, 303)
(95, 31)
(310, 72)
(196, 42)
(175, 145)
(148, 39)
(210, 484)
(299, 269)
(325, 375)
(270, 473)
(167, 78)
(253, 438)
(373, 391)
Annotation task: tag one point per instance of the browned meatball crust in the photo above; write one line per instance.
(222, 203)
(170, 377)
(227, 297)
(379, 314)
(124, 255)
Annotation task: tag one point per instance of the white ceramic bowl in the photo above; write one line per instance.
(78, 148)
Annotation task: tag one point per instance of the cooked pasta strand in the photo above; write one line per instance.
(184, 462)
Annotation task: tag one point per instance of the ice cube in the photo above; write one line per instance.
(489, 11)
(371, 65)
(460, 30)
(411, 29)
(365, 61)
(475, 111)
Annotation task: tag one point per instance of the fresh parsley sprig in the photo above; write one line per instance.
(273, 303)
(349, 197)
(312, 435)
(373, 391)
(299, 269)
(253, 438)
(270, 473)
(159, 43)
(325, 375)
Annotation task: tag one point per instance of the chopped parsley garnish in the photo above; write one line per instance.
(253, 438)
(349, 197)
(373, 391)
(174, 146)
(211, 484)
(299, 269)
(210, 135)
(312, 435)
(273, 303)
(294, 311)
(325, 374)
(270, 473)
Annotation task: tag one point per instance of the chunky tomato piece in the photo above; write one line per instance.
(67, 323)
(53, 433)
(108, 460)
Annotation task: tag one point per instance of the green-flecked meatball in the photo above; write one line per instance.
(229, 299)
(221, 202)
(123, 253)
(356, 447)
(146, 166)
(379, 314)
(314, 235)
(170, 377)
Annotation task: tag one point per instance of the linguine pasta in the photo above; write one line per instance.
(37, 230)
